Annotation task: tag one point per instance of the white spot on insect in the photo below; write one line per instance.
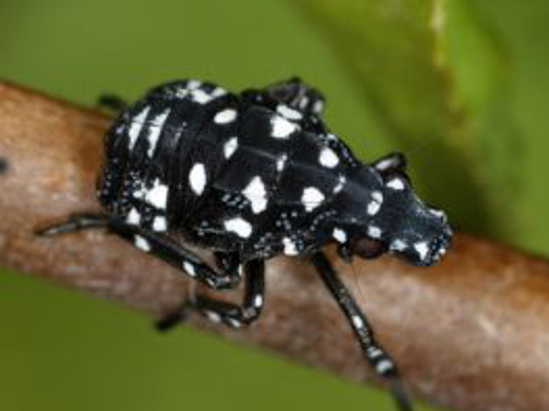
(140, 192)
(395, 184)
(218, 92)
(288, 112)
(213, 316)
(374, 352)
(340, 184)
(157, 124)
(157, 196)
(136, 126)
(377, 196)
(328, 158)
(318, 106)
(142, 243)
(357, 321)
(303, 103)
(225, 116)
(235, 323)
(384, 366)
(339, 235)
(439, 214)
(398, 245)
(160, 223)
(181, 93)
(281, 128)
(120, 128)
(422, 249)
(258, 301)
(373, 207)
(374, 232)
(201, 97)
(311, 198)
(230, 147)
(375, 204)
(133, 217)
(256, 193)
(281, 162)
(189, 268)
(441, 252)
(193, 84)
(385, 164)
(197, 178)
(239, 226)
(289, 246)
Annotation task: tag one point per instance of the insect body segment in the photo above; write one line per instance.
(250, 176)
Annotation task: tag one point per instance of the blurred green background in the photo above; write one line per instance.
(460, 86)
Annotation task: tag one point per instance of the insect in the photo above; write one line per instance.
(251, 176)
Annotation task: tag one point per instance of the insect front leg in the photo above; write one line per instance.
(380, 361)
(156, 244)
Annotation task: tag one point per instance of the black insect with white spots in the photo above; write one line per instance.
(251, 176)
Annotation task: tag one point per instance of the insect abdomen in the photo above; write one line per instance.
(157, 153)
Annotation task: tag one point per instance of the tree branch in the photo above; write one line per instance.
(471, 333)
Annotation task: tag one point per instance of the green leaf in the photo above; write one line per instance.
(435, 74)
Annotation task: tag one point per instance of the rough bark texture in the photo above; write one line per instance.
(471, 333)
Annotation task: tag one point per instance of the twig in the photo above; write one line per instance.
(471, 333)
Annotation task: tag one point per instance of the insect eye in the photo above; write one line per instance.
(367, 248)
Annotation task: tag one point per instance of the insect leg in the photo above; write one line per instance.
(380, 362)
(156, 244)
(232, 314)
(75, 222)
(112, 102)
(297, 95)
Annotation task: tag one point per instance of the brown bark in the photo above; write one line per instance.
(471, 333)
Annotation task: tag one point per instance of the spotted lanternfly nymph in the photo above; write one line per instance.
(250, 176)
